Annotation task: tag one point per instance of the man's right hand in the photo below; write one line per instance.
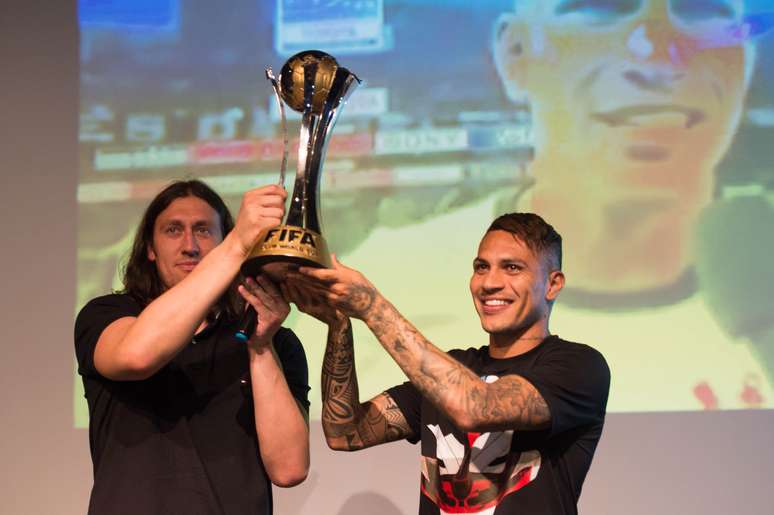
(346, 289)
(262, 208)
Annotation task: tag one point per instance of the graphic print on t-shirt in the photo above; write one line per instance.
(475, 476)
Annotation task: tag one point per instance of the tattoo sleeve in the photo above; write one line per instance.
(348, 424)
(512, 402)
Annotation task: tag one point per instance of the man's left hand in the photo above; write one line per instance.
(270, 306)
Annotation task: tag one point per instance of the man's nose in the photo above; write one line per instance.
(659, 41)
(656, 64)
(492, 281)
(190, 244)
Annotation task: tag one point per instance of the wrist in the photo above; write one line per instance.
(259, 348)
(235, 248)
(377, 306)
(339, 324)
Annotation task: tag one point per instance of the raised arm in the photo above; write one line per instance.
(348, 424)
(474, 405)
(281, 423)
(136, 348)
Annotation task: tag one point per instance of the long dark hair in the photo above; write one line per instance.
(140, 276)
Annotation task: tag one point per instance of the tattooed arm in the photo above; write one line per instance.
(474, 405)
(348, 424)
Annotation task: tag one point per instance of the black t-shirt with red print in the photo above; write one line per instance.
(514, 472)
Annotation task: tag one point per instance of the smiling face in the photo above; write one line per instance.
(512, 289)
(634, 103)
(186, 231)
(642, 81)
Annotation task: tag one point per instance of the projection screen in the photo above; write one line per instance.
(639, 129)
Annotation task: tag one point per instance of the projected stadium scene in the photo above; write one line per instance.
(641, 129)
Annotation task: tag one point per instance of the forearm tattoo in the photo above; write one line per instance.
(347, 423)
(509, 403)
(361, 298)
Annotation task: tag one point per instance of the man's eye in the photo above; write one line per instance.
(479, 267)
(513, 268)
(204, 231)
(598, 10)
(703, 10)
(172, 229)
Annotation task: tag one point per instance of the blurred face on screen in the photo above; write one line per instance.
(634, 102)
(186, 231)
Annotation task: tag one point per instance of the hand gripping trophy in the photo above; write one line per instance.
(312, 83)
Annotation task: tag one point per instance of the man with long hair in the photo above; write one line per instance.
(508, 427)
(183, 417)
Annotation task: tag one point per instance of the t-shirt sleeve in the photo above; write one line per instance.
(409, 402)
(293, 359)
(95, 316)
(574, 380)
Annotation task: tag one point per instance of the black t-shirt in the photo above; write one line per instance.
(182, 441)
(514, 472)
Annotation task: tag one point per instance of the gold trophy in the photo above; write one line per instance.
(312, 83)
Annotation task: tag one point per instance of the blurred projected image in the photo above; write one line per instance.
(634, 104)
(641, 129)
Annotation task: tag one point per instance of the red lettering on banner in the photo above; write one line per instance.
(218, 152)
(351, 145)
(270, 149)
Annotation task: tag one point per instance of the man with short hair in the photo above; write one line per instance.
(183, 417)
(510, 427)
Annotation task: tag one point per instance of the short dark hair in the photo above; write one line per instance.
(539, 236)
(140, 276)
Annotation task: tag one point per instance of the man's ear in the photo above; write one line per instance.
(510, 49)
(151, 253)
(555, 285)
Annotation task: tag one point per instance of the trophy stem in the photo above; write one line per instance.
(304, 210)
(316, 130)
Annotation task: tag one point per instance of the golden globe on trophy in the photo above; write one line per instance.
(312, 83)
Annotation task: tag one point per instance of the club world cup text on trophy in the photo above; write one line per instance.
(312, 83)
